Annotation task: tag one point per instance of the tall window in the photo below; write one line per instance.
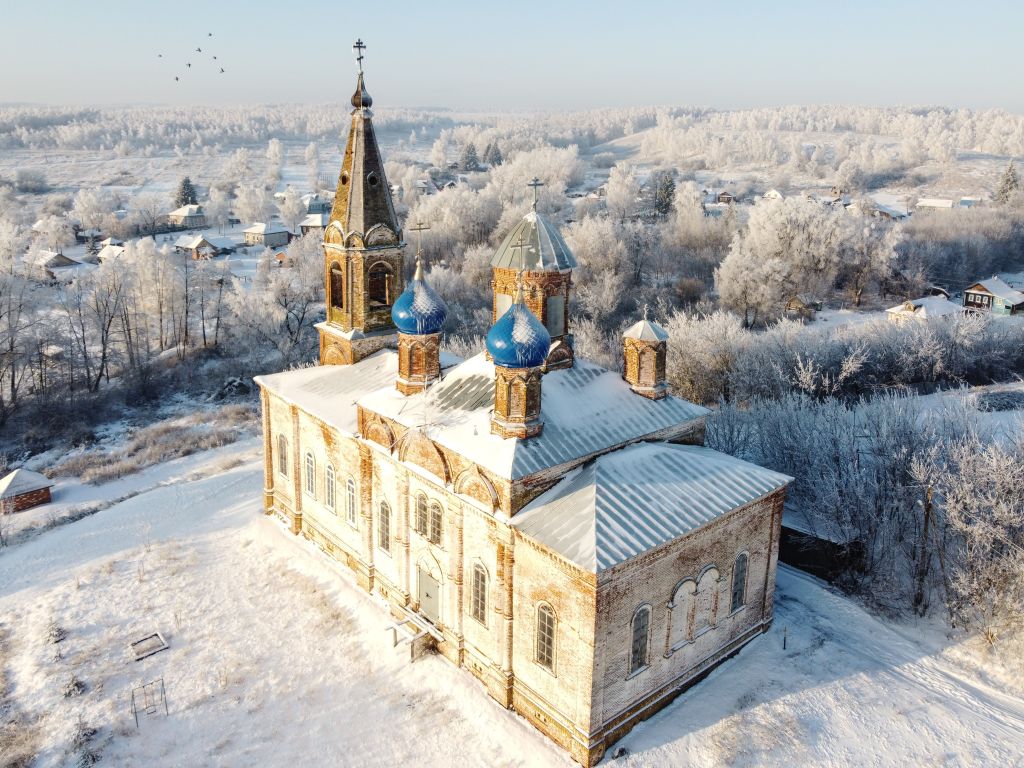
(350, 501)
(436, 517)
(337, 286)
(329, 487)
(739, 582)
(421, 523)
(707, 601)
(282, 454)
(380, 284)
(310, 475)
(384, 527)
(639, 646)
(478, 594)
(545, 650)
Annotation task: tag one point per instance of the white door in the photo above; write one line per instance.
(429, 596)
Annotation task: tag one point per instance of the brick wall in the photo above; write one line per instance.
(31, 499)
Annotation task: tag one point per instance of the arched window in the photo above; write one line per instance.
(435, 523)
(350, 501)
(683, 603)
(380, 288)
(739, 582)
(337, 286)
(707, 600)
(384, 527)
(478, 595)
(329, 487)
(310, 475)
(545, 642)
(648, 361)
(282, 454)
(638, 650)
(421, 524)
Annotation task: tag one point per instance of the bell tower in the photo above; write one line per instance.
(363, 248)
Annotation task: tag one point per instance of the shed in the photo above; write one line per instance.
(923, 309)
(802, 307)
(23, 489)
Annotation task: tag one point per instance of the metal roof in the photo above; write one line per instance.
(997, 287)
(544, 249)
(645, 330)
(23, 481)
(627, 502)
(586, 409)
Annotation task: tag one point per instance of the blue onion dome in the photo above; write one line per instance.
(419, 311)
(518, 339)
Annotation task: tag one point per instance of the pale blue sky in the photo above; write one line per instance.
(543, 55)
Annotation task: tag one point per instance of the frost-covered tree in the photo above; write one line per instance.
(186, 194)
(92, 207)
(469, 160)
(312, 157)
(1009, 184)
(492, 155)
(291, 209)
(252, 203)
(664, 193)
(55, 232)
(623, 189)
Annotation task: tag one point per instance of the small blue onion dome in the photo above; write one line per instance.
(518, 339)
(419, 311)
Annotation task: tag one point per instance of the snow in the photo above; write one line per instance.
(645, 330)
(22, 481)
(927, 307)
(277, 658)
(997, 287)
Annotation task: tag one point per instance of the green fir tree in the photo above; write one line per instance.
(186, 193)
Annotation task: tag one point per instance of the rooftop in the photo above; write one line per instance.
(630, 501)
(997, 287)
(22, 481)
(543, 249)
(262, 228)
(586, 409)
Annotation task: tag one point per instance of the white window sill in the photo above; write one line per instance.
(638, 671)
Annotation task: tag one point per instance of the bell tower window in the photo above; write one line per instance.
(381, 285)
(337, 287)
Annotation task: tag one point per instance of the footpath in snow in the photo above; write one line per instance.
(276, 658)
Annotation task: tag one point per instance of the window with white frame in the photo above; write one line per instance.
(350, 501)
(639, 647)
(282, 454)
(544, 652)
(436, 517)
(329, 488)
(478, 594)
(384, 527)
(421, 524)
(310, 475)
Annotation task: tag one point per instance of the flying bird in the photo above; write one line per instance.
(175, 78)
(214, 58)
(189, 65)
(159, 55)
(222, 70)
(199, 50)
(209, 34)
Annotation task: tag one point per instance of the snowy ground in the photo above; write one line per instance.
(277, 658)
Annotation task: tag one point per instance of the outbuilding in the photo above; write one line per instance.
(23, 489)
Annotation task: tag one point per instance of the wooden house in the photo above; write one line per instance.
(995, 296)
(23, 489)
(801, 308)
(187, 216)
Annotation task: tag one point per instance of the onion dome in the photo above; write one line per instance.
(361, 98)
(419, 311)
(543, 248)
(518, 339)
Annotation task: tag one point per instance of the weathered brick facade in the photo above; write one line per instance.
(517, 394)
(28, 500)
(644, 367)
(546, 294)
(419, 362)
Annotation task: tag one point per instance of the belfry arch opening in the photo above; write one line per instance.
(337, 286)
(380, 290)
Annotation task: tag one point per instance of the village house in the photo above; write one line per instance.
(995, 296)
(270, 235)
(110, 252)
(773, 194)
(923, 309)
(202, 247)
(801, 307)
(557, 529)
(188, 216)
(314, 222)
(934, 204)
(23, 489)
(316, 203)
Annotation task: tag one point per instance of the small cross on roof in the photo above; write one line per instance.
(359, 46)
(536, 184)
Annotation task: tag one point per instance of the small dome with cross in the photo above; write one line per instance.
(518, 339)
(419, 311)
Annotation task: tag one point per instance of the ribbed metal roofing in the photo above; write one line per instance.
(625, 503)
(645, 330)
(543, 249)
(585, 409)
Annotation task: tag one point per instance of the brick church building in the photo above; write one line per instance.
(555, 528)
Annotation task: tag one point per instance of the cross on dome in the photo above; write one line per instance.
(536, 184)
(419, 229)
(359, 46)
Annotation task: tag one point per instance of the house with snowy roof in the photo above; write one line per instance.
(187, 216)
(314, 222)
(995, 296)
(262, 233)
(557, 529)
(23, 489)
(922, 310)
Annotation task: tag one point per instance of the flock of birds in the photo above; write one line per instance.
(188, 64)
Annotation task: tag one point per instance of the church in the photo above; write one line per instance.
(555, 528)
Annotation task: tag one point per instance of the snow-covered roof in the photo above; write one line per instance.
(110, 252)
(586, 409)
(111, 241)
(22, 481)
(543, 249)
(54, 260)
(192, 242)
(316, 220)
(926, 307)
(629, 501)
(261, 228)
(934, 202)
(187, 210)
(645, 330)
(997, 287)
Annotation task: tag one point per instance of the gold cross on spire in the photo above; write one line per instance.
(520, 246)
(359, 47)
(536, 184)
(418, 229)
